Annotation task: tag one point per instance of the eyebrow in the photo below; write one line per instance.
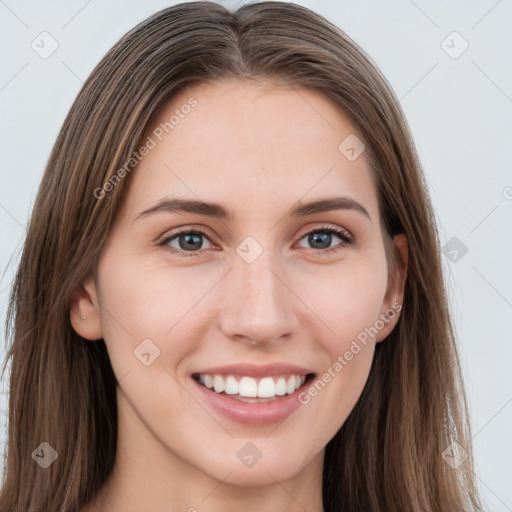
(218, 211)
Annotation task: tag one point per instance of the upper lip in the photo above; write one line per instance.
(251, 370)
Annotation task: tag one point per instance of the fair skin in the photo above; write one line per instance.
(258, 150)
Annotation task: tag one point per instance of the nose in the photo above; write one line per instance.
(257, 303)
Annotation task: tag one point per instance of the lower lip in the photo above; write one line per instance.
(262, 413)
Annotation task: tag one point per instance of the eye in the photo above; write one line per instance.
(321, 239)
(189, 241)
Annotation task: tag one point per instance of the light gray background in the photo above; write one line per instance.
(460, 113)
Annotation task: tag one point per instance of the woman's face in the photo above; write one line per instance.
(256, 297)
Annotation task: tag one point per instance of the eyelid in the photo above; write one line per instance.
(200, 229)
(161, 240)
(327, 226)
(343, 234)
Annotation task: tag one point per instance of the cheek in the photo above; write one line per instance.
(148, 300)
(149, 296)
(343, 308)
(346, 301)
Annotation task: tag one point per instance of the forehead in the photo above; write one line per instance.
(253, 144)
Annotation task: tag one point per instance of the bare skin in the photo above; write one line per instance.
(259, 150)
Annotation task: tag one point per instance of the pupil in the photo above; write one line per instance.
(190, 242)
(320, 237)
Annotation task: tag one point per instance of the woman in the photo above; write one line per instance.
(230, 294)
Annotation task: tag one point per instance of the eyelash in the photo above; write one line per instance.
(346, 240)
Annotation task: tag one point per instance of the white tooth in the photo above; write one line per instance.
(218, 383)
(208, 381)
(201, 378)
(290, 385)
(302, 380)
(231, 386)
(266, 388)
(281, 386)
(247, 387)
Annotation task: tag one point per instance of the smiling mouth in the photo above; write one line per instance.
(253, 390)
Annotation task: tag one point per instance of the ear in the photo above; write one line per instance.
(392, 303)
(85, 312)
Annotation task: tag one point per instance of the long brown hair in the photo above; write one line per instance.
(388, 455)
